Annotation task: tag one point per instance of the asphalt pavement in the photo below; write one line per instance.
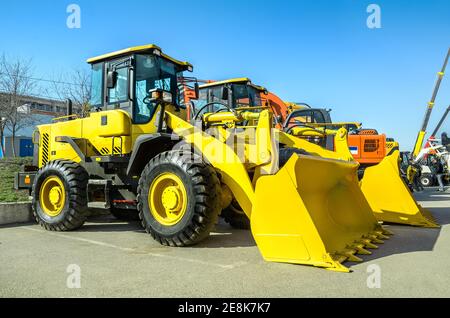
(108, 258)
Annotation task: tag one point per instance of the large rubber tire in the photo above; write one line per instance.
(235, 217)
(74, 212)
(203, 198)
(426, 180)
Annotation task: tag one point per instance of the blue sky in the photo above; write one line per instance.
(320, 52)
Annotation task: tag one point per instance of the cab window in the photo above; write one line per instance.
(119, 93)
(97, 85)
(152, 72)
(215, 95)
(309, 116)
(240, 95)
(255, 97)
(201, 101)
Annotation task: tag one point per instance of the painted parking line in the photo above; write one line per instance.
(128, 249)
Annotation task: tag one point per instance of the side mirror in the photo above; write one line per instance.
(69, 107)
(224, 93)
(196, 90)
(111, 79)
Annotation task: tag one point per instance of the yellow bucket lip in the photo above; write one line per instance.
(360, 247)
(52, 196)
(167, 199)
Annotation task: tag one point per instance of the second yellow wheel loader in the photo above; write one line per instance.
(384, 188)
(137, 150)
(382, 185)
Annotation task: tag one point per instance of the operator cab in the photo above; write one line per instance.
(127, 79)
(235, 93)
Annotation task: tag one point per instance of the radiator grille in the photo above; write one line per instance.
(371, 145)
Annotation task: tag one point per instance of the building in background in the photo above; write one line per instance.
(41, 111)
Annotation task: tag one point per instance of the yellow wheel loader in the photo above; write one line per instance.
(382, 184)
(136, 150)
(388, 195)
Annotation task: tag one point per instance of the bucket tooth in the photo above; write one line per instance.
(351, 257)
(383, 233)
(367, 243)
(374, 238)
(360, 249)
(339, 257)
(380, 235)
(344, 255)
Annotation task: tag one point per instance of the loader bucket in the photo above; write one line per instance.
(389, 196)
(312, 211)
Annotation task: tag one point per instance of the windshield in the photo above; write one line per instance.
(245, 95)
(211, 96)
(153, 72)
(306, 116)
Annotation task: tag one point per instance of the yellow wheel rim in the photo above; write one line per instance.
(52, 196)
(167, 199)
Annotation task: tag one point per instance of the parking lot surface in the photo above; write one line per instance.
(118, 259)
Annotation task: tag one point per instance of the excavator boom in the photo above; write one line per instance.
(421, 135)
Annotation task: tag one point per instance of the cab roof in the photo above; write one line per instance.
(149, 48)
(239, 80)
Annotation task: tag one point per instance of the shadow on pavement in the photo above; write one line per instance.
(223, 236)
(441, 214)
(405, 239)
(13, 225)
(408, 239)
(117, 226)
(108, 223)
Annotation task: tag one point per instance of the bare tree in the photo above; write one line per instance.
(3, 108)
(2, 132)
(76, 86)
(15, 82)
